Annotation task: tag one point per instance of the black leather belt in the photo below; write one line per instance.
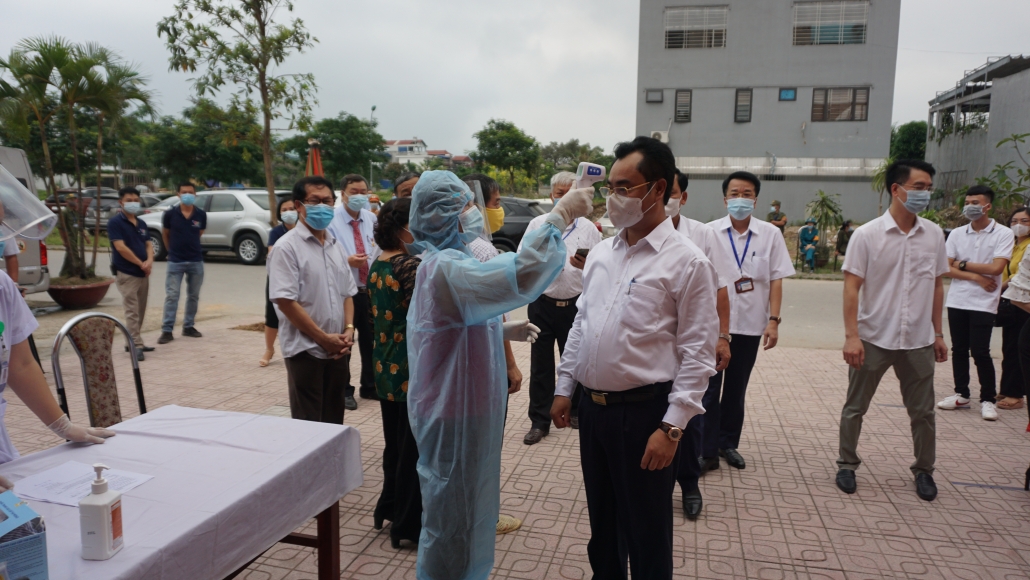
(637, 395)
(560, 303)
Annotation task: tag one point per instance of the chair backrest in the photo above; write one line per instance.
(92, 337)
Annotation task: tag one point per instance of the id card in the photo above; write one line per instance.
(744, 285)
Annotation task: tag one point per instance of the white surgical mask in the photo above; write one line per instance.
(132, 207)
(625, 211)
(289, 217)
(973, 212)
(1020, 230)
(672, 209)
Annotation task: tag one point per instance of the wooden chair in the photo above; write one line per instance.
(92, 337)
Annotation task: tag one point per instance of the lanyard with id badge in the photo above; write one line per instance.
(745, 283)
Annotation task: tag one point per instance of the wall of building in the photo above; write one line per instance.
(859, 202)
(759, 54)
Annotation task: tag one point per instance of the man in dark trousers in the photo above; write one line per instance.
(182, 228)
(642, 348)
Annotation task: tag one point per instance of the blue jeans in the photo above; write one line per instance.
(194, 272)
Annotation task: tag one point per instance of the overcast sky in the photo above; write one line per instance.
(560, 69)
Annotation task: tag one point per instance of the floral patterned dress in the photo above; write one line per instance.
(390, 284)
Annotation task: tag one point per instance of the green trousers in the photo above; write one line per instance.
(914, 369)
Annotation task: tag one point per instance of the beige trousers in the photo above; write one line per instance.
(914, 369)
(134, 292)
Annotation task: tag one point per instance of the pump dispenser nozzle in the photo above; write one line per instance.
(99, 484)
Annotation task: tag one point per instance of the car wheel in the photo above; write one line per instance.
(249, 249)
(160, 252)
(503, 245)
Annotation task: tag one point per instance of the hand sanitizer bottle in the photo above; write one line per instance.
(100, 519)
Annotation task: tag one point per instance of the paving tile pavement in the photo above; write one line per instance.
(780, 518)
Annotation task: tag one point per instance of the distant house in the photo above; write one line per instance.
(407, 151)
(966, 122)
(462, 161)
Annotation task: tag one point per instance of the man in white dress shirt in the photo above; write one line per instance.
(554, 312)
(642, 348)
(893, 297)
(689, 470)
(978, 253)
(757, 257)
(353, 226)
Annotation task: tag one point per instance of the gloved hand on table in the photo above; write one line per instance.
(576, 203)
(64, 428)
(521, 330)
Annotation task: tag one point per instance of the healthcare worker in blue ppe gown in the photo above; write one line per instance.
(458, 378)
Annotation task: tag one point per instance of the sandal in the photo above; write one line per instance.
(1010, 403)
(267, 358)
(507, 524)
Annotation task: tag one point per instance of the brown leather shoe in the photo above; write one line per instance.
(534, 436)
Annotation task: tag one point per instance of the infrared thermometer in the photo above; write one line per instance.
(587, 174)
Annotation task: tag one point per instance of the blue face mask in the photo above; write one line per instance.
(740, 208)
(131, 207)
(471, 224)
(319, 216)
(917, 201)
(357, 202)
(973, 212)
(188, 198)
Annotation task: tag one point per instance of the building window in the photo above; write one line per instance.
(837, 22)
(840, 104)
(788, 94)
(742, 111)
(654, 95)
(683, 106)
(696, 27)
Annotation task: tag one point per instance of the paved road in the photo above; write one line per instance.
(812, 309)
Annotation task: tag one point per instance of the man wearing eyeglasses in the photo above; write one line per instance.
(897, 262)
(642, 348)
(312, 288)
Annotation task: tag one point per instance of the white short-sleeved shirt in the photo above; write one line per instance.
(704, 238)
(899, 273)
(11, 248)
(581, 234)
(766, 259)
(317, 277)
(18, 323)
(978, 247)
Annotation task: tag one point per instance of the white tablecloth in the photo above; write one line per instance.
(226, 487)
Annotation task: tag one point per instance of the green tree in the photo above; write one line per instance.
(879, 182)
(239, 42)
(826, 211)
(507, 148)
(18, 129)
(348, 145)
(908, 141)
(1010, 182)
(567, 156)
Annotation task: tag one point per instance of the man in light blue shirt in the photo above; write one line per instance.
(352, 227)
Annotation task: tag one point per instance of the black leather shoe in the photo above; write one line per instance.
(708, 463)
(142, 348)
(733, 459)
(925, 487)
(692, 503)
(846, 480)
(139, 355)
(350, 404)
(192, 332)
(574, 422)
(534, 436)
(165, 338)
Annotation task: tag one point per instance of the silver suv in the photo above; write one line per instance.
(237, 220)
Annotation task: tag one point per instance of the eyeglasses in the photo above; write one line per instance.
(608, 191)
(315, 202)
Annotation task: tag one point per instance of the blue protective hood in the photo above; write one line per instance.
(436, 202)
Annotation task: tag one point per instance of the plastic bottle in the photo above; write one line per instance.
(100, 519)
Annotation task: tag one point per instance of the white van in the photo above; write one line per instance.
(33, 273)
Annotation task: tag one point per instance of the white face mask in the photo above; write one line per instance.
(1020, 230)
(672, 209)
(625, 211)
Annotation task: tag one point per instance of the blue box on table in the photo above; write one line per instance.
(22, 540)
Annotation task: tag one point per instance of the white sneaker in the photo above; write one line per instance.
(955, 402)
(988, 412)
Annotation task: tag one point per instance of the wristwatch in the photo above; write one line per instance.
(348, 327)
(674, 433)
(962, 265)
(776, 319)
(939, 334)
(727, 337)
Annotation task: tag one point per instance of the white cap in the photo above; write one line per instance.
(99, 484)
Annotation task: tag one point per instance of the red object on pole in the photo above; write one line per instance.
(314, 166)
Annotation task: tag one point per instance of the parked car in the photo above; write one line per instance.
(518, 212)
(111, 206)
(33, 270)
(237, 220)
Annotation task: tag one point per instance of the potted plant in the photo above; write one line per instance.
(44, 72)
(826, 211)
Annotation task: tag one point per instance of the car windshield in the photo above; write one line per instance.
(536, 209)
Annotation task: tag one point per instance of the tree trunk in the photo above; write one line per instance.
(80, 241)
(266, 111)
(69, 264)
(96, 226)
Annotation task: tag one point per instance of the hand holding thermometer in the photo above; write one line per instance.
(587, 174)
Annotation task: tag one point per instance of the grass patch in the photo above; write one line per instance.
(54, 239)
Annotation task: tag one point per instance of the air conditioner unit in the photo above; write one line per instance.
(662, 136)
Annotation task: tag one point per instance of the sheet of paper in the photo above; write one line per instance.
(68, 483)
